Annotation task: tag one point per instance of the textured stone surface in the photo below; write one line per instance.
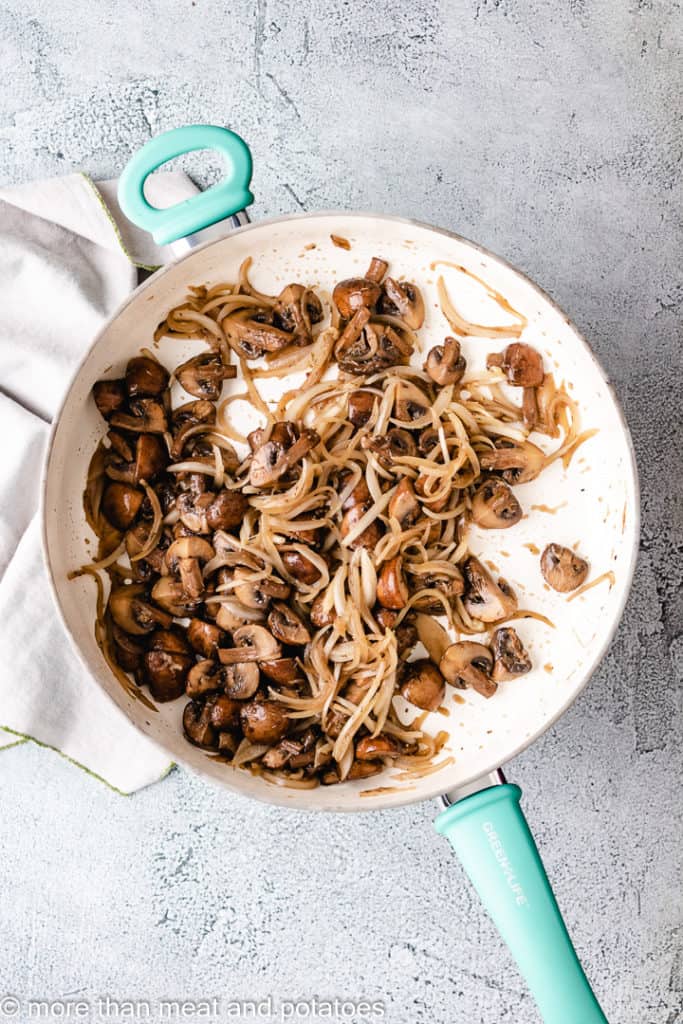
(552, 134)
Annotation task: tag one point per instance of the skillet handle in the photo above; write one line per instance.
(219, 202)
(490, 835)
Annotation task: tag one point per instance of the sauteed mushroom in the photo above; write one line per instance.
(145, 377)
(286, 626)
(121, 504)
(360, 292)
(300, 567)
(166, 664)
(369, 748)
(264, 721)
(445, 365)
(129, 610)
(186, 556)
(469, 664)
(110, 396)
(296, 310)
(494, 506)
(562, 568)
(360, 407)
(423, 685)
(241, 681)
(204, 677)
(203, 375)
(205, 637)
(173, 597)
(518, 461)
(147, 417)
(484, 599)
(252, 643)
(392, 589)
(404, 506)
(401, 298)
(197, 725)
(510, 659)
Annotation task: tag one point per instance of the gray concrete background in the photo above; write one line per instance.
(552, 134)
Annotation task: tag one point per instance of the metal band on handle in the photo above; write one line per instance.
(223, 200)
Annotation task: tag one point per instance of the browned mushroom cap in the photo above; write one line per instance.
(167, 664)
(395, 444)
(369, 537)
(355, 293)
(148, 417)
(361, 404)
(392, 589)
(363, 770)
(272, 460)
(444, 363)
(241, 681)
(264, 721)
(204, 677)
(185, 556)
(519, 461)
(129, 610)
(224, 712)
(252, 643)
(121, 504)
(467, 664)
(227, 510)
(296, 310)
(423, 685)
(510, 658)
(285, 625)
(522, 364)
(404, 299)
(319, 616)
(205, 637)
(203, 375)
(404, 506)
(484, 599)
(145, 377)
(300, 567)
(172, 596)
(129, 651)
(281, 670)
(151, 457)
(197, 725)
(109, 396)
(369, 748)
(562, 568)
(494, 506)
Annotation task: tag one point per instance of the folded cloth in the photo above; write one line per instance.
(67, 259)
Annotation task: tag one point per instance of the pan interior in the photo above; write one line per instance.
(593, 502)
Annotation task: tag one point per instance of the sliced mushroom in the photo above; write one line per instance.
(510, 658)
(404, 299)
(444, 363)
(395, 444)
(519, 461)
(319, 616)
(522, 364)
(356, 293)
(231, 619)
(296, 310)
(423, 685)
(203, 375)
(197, 725)
(405, 631)
(186, 556)
(187, 416)
(129, 651)
(241, 681)
(562, 568)
(392, 589)
(205, 637)
(272, 460)
(468, 664)
(151, 457)
(484, 599)
(411, 403)
(447, 580)
(166, 665)
(227, 510)
(109, 395)
(204, 677)
(362, 770)
(148, 417)
(173, 597)
(285, 625)
(369, 748)
(264, 721)
(121, 504)
(369, 537)
(365, 347)
(129, 610)
(145, 377)
(404, 506)
(282, 671)
(300, 567)
(361, 404)
(494, 506)
(249, 592)
(252, 643)
(255, 337)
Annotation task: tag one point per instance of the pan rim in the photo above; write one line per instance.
(297, 799)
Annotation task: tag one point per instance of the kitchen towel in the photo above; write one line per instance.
(67, 259)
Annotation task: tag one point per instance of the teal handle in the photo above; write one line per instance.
(490, 835)
(216, 203)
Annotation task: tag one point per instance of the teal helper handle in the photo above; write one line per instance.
(200, 211)
(490, 835)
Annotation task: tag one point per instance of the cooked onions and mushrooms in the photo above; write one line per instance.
(282, 581)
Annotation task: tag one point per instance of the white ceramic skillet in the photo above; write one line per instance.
(593, 502)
